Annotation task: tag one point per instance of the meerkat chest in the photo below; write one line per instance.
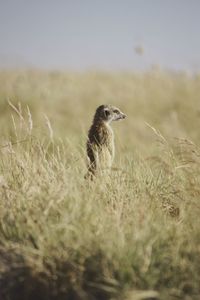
(108, 148)
(111, 145)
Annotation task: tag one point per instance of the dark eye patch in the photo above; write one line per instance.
(107, 113)
(116, 111)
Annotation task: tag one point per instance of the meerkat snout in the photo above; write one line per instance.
(100, 143)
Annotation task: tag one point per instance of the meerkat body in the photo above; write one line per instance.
(100, 143)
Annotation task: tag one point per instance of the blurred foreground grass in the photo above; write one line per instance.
(134, 235)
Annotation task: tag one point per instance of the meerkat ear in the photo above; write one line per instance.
(106, 112)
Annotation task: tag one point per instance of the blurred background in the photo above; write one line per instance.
(108, 35)
(64, 58)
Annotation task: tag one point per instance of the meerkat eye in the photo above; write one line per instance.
(106, 112)
(116, 111)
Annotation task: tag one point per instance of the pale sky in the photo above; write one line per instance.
(92, 34)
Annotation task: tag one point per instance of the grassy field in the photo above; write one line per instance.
(134, 235)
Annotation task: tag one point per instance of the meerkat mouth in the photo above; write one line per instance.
(120, 117)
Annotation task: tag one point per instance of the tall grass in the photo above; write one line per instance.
(133, 235)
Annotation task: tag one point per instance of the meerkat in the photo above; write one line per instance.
(100, 143)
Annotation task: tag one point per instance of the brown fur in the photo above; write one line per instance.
(100, 143)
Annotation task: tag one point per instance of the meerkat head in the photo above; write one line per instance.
(108, 113)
